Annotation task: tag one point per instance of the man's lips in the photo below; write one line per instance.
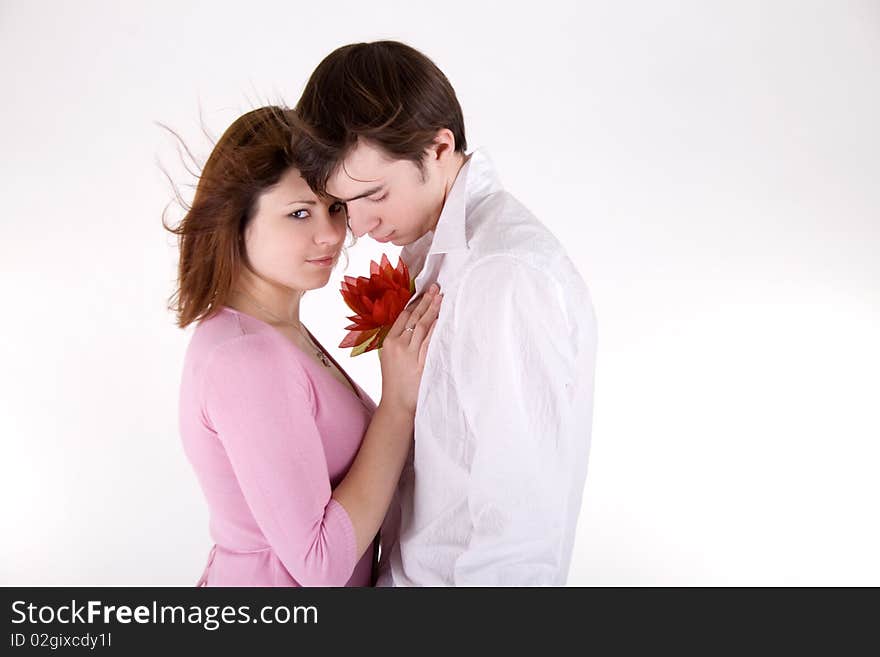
(383, 239)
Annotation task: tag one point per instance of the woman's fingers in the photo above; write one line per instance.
(423, 324)
(399, 324)
(410, 317)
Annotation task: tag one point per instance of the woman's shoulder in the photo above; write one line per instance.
(232, 340)
(231, 364)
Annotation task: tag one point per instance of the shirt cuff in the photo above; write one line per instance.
(336, 519)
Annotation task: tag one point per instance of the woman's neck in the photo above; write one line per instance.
(268, 301)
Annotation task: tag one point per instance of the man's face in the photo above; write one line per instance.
(391, 200)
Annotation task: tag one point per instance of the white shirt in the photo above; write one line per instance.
(492, 490)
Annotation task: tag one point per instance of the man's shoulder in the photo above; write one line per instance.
(501, 225)
(507, 242)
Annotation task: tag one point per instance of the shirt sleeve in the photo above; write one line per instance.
(257, 401)
(512, 360)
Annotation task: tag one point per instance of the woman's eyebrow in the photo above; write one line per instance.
(306, 202)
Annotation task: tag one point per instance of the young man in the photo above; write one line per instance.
(492, 493)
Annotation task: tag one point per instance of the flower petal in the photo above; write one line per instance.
(351, 339)
(356, 338)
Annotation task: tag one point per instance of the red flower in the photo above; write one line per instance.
(376, 301)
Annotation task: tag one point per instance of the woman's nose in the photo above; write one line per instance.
(330, 231)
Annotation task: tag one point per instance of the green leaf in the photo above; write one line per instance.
(362, 347)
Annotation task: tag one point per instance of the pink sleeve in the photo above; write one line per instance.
(257, 401)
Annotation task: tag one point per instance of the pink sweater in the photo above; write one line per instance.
(270, 433)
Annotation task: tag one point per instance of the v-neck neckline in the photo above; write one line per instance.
(353, 389)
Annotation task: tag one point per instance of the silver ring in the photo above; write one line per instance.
(409, 328)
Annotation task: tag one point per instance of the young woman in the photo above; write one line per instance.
(297, 463)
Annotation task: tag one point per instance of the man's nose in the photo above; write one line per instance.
(360, 223)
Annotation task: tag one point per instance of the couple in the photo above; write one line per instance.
(471, 469)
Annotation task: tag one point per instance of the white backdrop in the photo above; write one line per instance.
(712, 169)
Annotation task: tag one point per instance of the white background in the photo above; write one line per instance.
(712, 169)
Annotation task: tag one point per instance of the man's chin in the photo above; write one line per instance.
(401, 241)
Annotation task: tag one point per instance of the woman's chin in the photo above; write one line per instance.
(320, 279)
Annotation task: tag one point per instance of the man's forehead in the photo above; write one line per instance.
(362, 168)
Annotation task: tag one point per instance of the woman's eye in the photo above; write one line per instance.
(299, 214)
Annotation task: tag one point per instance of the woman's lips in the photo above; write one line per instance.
(326, 262)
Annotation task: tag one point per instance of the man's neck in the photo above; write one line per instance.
(455, 168)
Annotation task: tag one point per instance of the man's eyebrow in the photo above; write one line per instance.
(369, 192)
(306, 202)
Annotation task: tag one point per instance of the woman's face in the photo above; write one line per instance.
(295, 237)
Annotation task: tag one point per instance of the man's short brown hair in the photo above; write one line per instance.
(385, 92)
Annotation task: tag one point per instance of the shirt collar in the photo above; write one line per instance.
(476, 179)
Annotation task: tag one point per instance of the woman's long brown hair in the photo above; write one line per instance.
(251, 156)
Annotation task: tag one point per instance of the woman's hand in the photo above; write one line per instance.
(403, 352)
(367, 490)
